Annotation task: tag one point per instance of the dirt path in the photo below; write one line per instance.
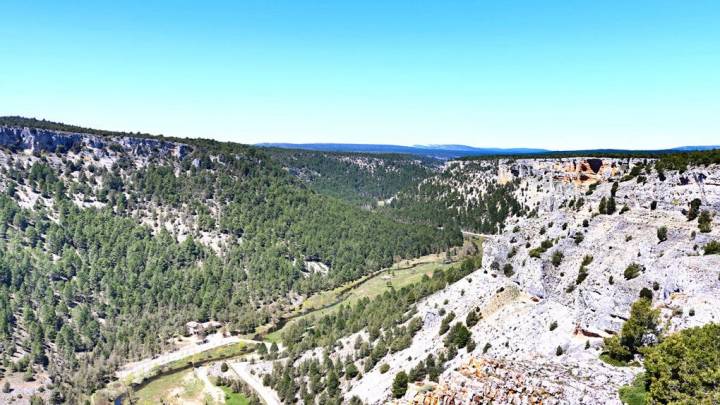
(214, 391)
(144, 366)
(268, 395)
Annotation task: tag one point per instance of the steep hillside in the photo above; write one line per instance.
(362, 179)
(591, 239)
(111, 243)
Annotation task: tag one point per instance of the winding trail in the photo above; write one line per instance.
(145, 366)
(215, 392)
(268, 395)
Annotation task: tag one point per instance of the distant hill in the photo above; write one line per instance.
(698, 147)
(452, 151)
(437, 151)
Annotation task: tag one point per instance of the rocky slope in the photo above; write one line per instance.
(544, 314)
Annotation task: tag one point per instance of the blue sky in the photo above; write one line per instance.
(551, 74)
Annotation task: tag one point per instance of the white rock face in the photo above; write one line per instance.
(515, 359)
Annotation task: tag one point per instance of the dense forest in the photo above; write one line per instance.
(391, 324)
(106, 253)
(452, 201)
(360, 178)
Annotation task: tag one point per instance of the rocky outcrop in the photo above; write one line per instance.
(42, 140)
(519, 357)
(489, 381)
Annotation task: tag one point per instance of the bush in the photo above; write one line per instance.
(544, 246)
(705, 222)
(632, 271)
(400, 384)
(694, 209)
(643, 321)
(508, 270)
(684, 368)
(553, 325)
(223, 367)
(634, 394)
(471, 319)
(602, 207)
(557, 258)
(653, 206)
(610, 208)
(445, 324)
(646, 293)
(578, 237)
(384, 368)
(458, 336)
(662, 233)
(559, 351)
(712, 248)
(582, 275)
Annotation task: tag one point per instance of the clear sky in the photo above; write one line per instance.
(551, 74)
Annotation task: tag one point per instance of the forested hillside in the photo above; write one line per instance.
(598, 283)
(109, 244)
(360, 178)
(459, 197)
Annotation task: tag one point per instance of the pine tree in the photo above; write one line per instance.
(400, 384)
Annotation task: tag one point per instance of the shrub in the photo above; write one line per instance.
(445, 324)
(557, 258)
(544, 246)
(586, 223)
(458, 336)
(553, 325)
(705, 222)
(582, 275)
(646, 293)
(486, 347)
(602, 207)
(400, 384)
(694, 209)
(643, 321)
(384, 368)
(632, 271)
(684, 368)
(508, 270)
(578, 238)
(223, 367)
(610, 208)
(471, 319)
(662, 233)
(653, 206)
(559, 351)
(587, 259)
(712, 248)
